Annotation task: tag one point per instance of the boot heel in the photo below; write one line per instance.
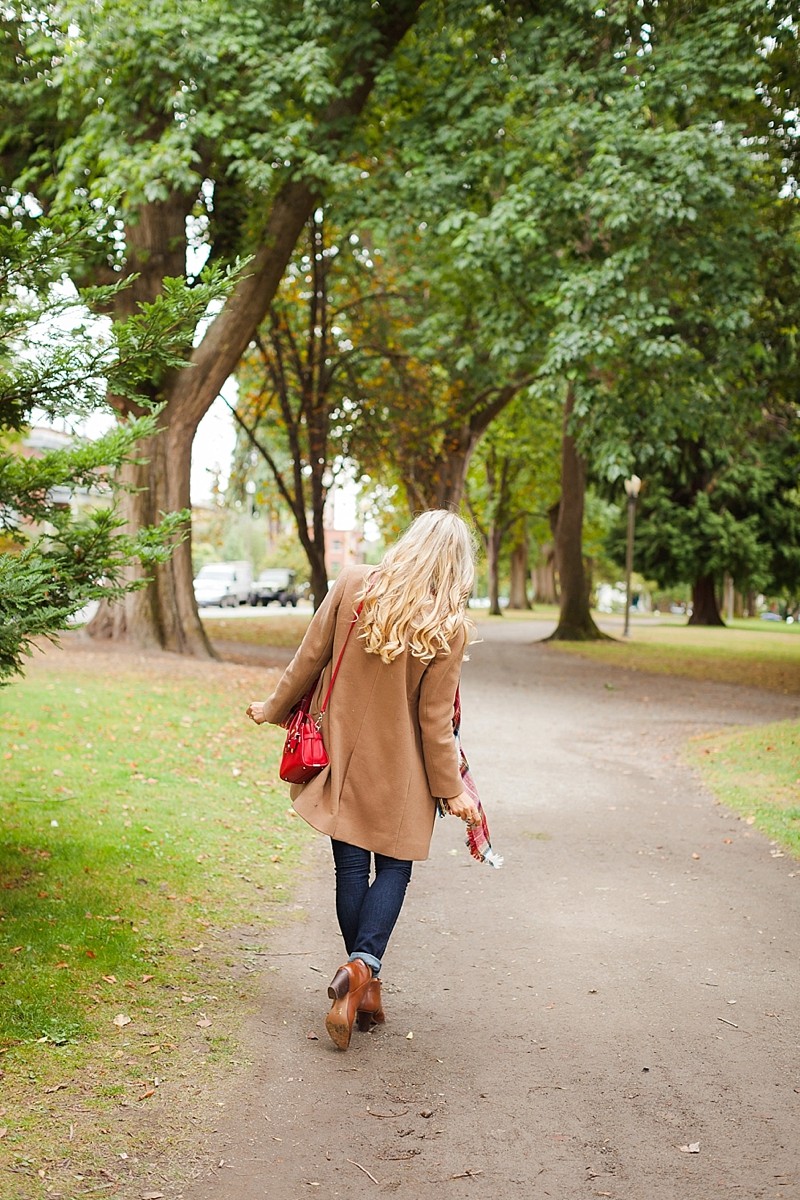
(339, 985)
(367, 1019)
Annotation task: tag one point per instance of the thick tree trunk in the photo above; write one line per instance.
(545, 585)
(705, 608)
(164, 614)
(575, 623)
(520, 574)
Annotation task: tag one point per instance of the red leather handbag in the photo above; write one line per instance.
(304, 753)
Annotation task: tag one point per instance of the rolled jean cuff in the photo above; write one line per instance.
(369, 959)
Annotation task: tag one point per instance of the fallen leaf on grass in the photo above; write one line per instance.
(3, 1131)
(109, 978)
(152, 1195)
(692, 1148)
(147, 978)
(121, 1021)
(204, 1022)
(146, 1096)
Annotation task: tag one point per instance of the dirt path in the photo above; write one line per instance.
(625, 987)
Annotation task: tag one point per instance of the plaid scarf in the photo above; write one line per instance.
(477, 840)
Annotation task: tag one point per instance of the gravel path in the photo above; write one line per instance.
(613, 1014)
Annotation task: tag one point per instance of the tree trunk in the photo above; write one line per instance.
(493, 543)
(439, 482)
(319, 579)
(705, 608)
(575, 623)
(545, 585)
(164, 613)
(520, 574)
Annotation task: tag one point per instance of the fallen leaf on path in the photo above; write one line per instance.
(146, 1096)
(152, 1195)
(121, 1021)
(409, 1036)
(203, 1023)
(312, 1037)
(692, 1148)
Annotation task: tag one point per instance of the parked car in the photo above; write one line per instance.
(225, 583)
(276, 583)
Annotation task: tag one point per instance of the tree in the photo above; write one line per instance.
(56, 362)
(302, 388)
(728, 506)
(513, 477)
(225, 120)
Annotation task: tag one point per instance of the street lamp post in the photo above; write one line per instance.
(632, 487)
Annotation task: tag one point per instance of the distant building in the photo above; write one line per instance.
(343, 547)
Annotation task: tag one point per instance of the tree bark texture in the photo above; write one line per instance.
(705, 606)
(165, 613)
(575, 623)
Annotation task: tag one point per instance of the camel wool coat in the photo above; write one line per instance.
(388, 731)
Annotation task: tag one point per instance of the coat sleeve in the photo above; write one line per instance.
(436, 700)
(313, 655)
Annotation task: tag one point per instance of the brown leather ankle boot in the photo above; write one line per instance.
(370, 1009)
(346, 990)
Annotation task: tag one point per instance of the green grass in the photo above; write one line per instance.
(756, 772)
(758, 656)
(143, 824)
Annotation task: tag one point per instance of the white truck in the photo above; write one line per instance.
(224, 583)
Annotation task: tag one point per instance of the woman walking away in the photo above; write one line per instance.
(388, 730)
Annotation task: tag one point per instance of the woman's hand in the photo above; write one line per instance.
(255, 711)
(463, 807)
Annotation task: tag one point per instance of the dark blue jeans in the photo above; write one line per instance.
(367, 913)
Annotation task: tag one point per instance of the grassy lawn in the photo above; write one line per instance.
(145, 837)
(756, 771)
(754, 654)
(284, 631)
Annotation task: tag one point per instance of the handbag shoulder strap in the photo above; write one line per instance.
(335, 671)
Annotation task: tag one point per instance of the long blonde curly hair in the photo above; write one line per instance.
(416, 597)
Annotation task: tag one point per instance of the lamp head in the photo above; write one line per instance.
(632, 486)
